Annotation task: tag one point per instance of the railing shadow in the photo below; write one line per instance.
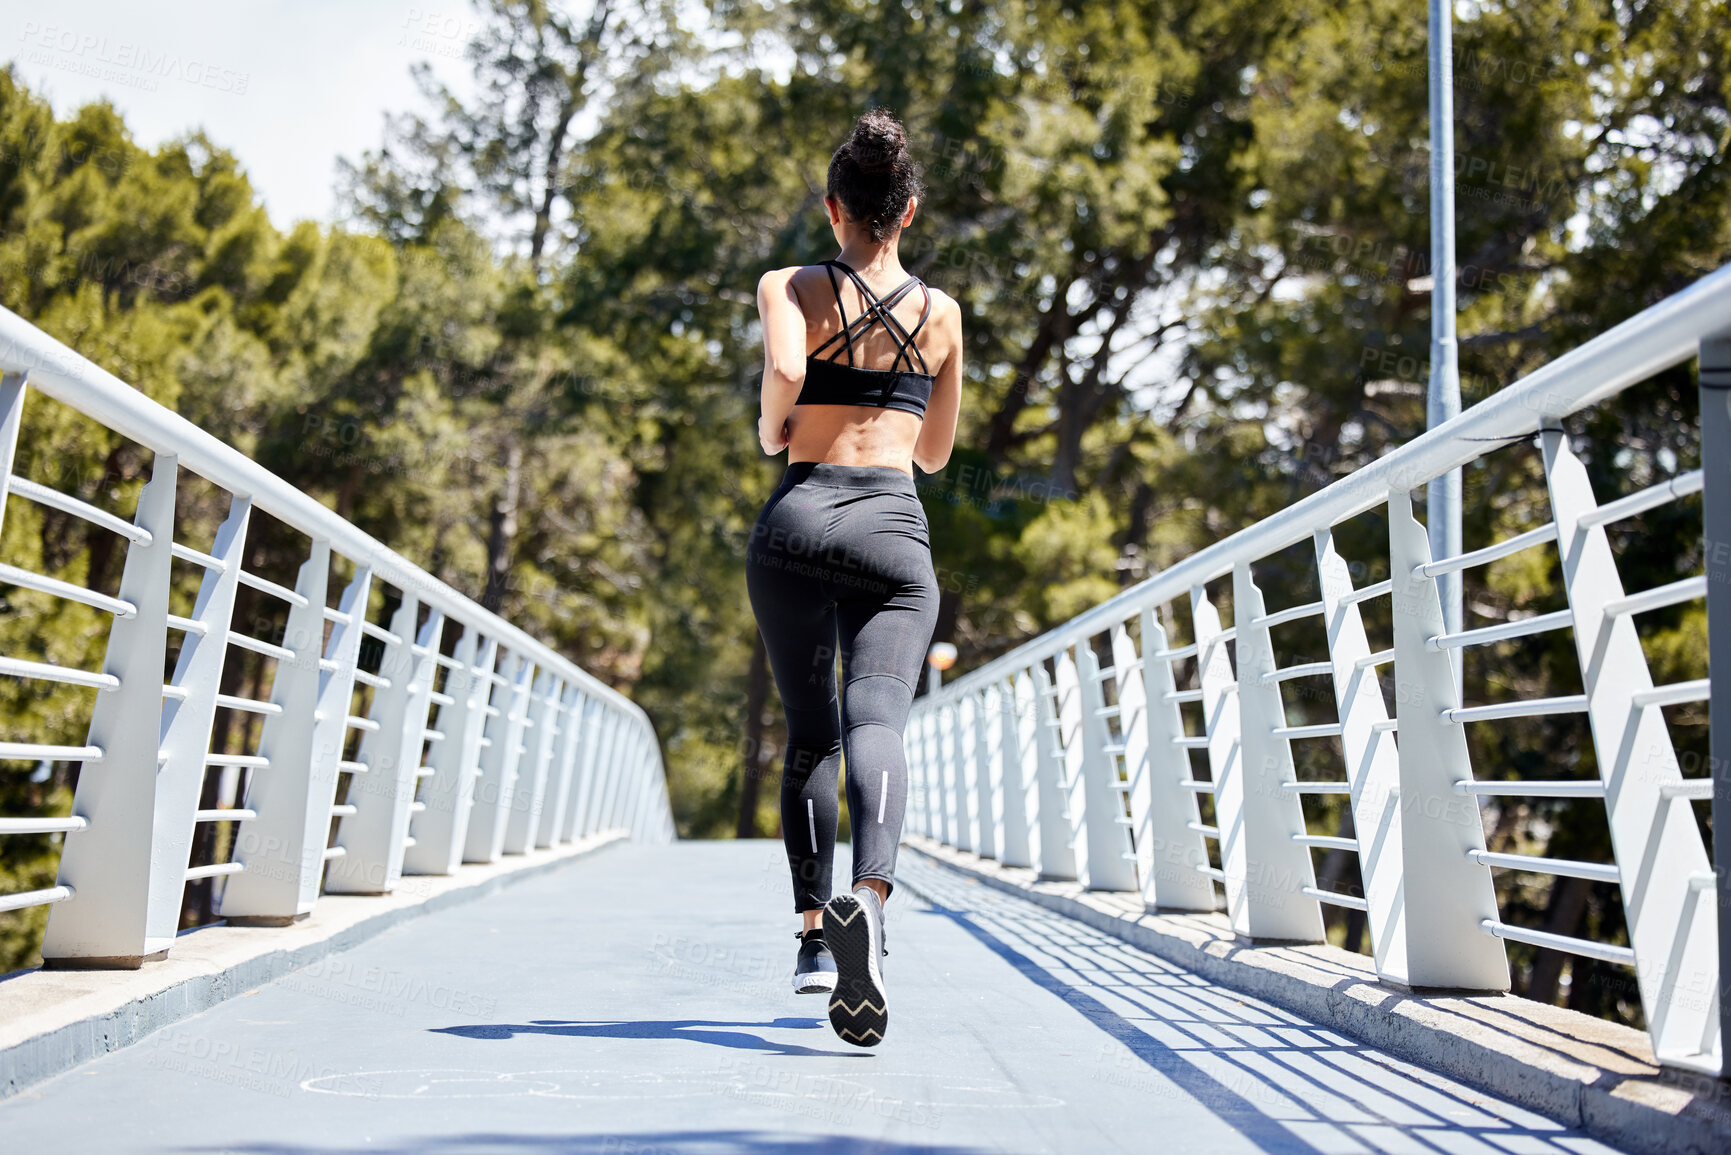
(1283, 1083)
(719, 1142)
(688, 1029)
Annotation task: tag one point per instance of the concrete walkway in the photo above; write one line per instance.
(638, 1002)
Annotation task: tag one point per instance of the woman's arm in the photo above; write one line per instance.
(783, 356)
(938, 432)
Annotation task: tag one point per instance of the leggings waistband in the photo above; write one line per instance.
(879, 477)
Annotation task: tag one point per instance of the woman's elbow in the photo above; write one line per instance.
(789, 376)
(931, 462)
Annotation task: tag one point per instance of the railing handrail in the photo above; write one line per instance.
(69, 377)
(1663, 335)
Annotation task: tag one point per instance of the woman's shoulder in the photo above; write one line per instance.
(941, 299)
(946, 310)
(778, 278)
(818, 269)
(796, 277)
(793, 283)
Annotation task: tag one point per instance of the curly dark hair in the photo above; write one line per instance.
(873, 176)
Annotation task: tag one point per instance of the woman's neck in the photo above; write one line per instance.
(872, 260)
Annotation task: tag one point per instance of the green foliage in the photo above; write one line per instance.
(1067, 555)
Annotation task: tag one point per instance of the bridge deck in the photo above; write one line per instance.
(638, 1001)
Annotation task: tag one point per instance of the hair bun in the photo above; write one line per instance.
(878, 141)
(873, 175)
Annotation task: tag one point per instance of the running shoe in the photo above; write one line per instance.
(853, 926)
(814, 969)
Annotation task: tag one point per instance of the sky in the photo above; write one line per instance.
(288, 86)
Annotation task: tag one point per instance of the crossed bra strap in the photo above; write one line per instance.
(878, 310)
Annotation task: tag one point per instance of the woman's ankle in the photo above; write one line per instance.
(877, 886)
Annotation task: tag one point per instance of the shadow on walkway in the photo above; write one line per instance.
(690, 1029)
(735, 1142)
(1280, 1081)
(1222, 1100)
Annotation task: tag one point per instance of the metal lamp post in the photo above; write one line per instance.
(1443, 515)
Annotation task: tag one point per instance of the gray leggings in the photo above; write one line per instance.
(840, 562)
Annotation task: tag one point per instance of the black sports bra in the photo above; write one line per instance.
(829, 382)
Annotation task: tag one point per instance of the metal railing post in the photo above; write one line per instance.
(640, 788)
(1168, 848)
(639, 772)
(651, 822)
(1004, 768)
(617, 760)
(1448, 893)
(1715, 384)
(283, 850)
(595, 817)
(373, 837)
(528, 795)
(504, 750)
(14, 389)
(1372, 761)
(651, 758)
(913, 749)
(1073, 755)
(441, 828)
(571, 732)
(1057, 855)
(1279, 869)
(1219, 686)
(332, 723)
(268, 845)
(625, 762)
(108, 864)
(645, 780)
(974, 821)
(188, 721)
(605, 768)
(934, 769)
(1021, 752)
(588, 766)
(619, 789)
(1133, 725)
(1013, 781)
(988, 775)
(955, 794)
(1111, 861)
(1666, 879)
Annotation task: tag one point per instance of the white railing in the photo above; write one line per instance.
(456, 738)
(1054, 758)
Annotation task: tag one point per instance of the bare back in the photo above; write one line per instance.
(865, 434)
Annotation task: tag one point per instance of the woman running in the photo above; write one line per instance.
(862, 381)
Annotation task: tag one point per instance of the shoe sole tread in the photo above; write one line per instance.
(858, 1008)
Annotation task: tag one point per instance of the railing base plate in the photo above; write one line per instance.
(268, 919)
(125, 962)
